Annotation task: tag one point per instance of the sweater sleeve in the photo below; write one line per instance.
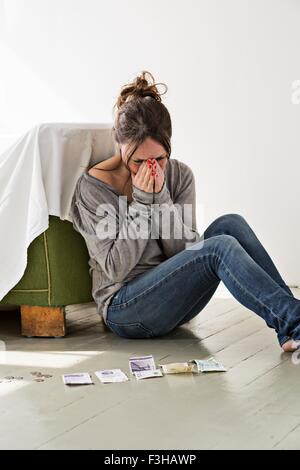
(175, 221)
(115, 239)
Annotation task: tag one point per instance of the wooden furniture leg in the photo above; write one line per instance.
(43, 321)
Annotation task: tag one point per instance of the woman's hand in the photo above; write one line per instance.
(159, 177)
(149, 178)
(143, 178)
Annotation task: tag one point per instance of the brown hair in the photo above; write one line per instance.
(140, 114)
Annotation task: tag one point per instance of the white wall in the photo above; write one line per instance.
(229, 65)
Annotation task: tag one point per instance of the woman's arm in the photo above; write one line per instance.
(175, 223)
(118, 250)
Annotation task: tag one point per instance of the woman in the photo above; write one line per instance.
(145, 286)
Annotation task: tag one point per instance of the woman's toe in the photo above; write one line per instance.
(290, 345)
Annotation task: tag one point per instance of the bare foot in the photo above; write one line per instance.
(291, 345)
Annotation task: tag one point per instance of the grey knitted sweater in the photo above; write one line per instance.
(117, 256)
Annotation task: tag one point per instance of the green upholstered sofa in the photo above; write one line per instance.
(57, 275)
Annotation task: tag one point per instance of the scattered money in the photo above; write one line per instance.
(40, 377)
(77, 379)
(142, 367)
(141, 363)
(40, 374)
(177, 367)
(210, 365)
(147, 374)
(36, 376)
(111, 375)
(10, 378)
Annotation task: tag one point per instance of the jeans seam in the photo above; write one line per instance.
(115, 295)
(139, 324)
(161, 281)
(195, 303)
(253, 296)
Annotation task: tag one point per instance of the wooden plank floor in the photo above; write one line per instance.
(255, 405)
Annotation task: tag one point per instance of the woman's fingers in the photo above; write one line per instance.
(150, 183)
(148, 179)
(140, 175)
(144, 178)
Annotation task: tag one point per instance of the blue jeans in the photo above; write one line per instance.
(176, 290)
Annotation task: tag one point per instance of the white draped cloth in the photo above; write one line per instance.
(38, 175)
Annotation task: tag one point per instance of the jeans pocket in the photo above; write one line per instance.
(130, 330)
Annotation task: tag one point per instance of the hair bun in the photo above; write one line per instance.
(140, 88)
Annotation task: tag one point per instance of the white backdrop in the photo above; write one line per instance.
(230, 66)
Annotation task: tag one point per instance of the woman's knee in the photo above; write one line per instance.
(229, 224)
(219, 244)
(225, 239)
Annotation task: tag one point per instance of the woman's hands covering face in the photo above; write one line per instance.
(149, 177)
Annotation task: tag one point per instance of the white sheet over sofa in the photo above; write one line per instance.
(38, 174)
